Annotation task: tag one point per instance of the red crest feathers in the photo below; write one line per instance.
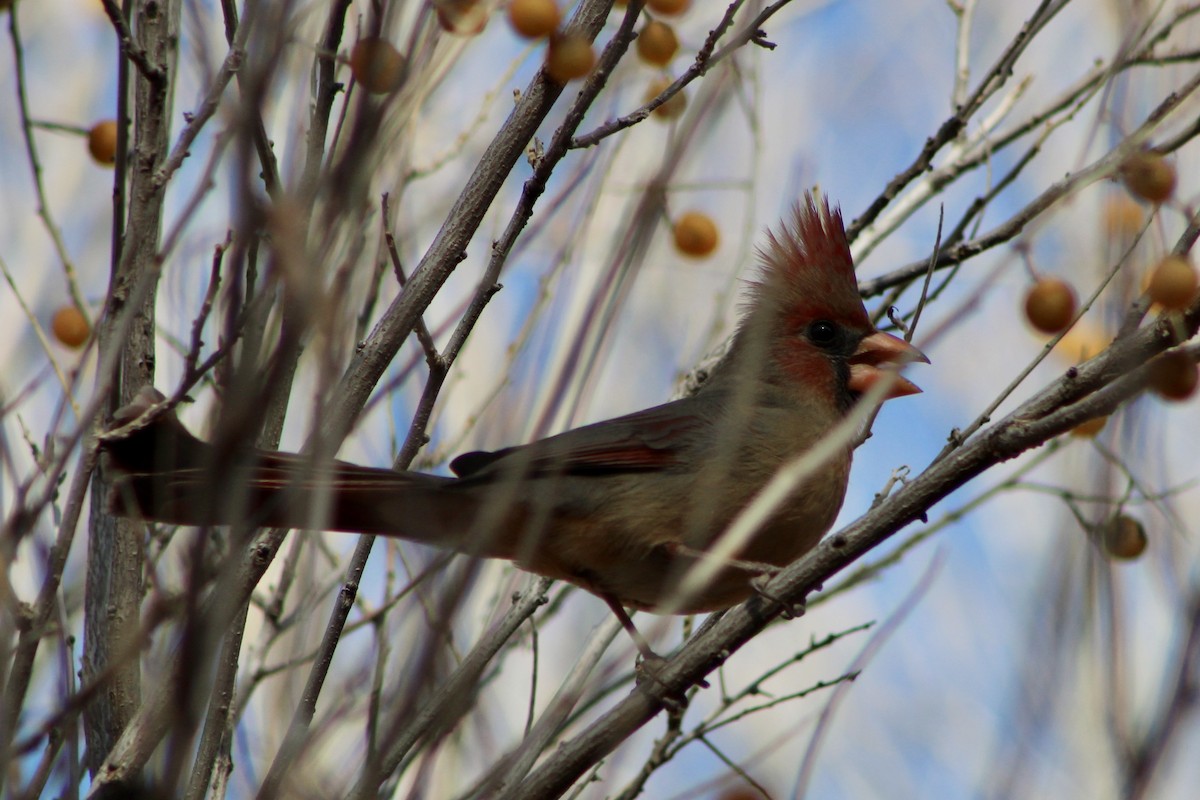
(807, 269)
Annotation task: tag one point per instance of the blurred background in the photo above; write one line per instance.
(999, 650)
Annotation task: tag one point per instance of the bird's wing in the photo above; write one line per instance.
(643, 441)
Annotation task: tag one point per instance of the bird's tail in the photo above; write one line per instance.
(164, 473)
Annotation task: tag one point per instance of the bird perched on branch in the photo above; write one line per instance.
(623, 508)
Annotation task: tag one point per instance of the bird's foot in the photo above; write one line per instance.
(788, 609)
(649, 668)
(649, 665)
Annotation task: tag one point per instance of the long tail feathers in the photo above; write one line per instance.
(166, 474)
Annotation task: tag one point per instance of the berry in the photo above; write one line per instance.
(1173, 376)
(462, 17)
(70, 327)
(1083, 341)
(102, 142)
(1089, 428)
(672, 108)
(1149, 176)
(1123, 537)
(696, 234)
(1050, 305)
(668, 7)
(657, 43)
(534, 19)
(1173, 283)
(1123, 218)
(376, 65)
(569, 57)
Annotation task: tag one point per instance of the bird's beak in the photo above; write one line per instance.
(874, 355)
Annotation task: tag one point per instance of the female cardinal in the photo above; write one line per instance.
(623, 507)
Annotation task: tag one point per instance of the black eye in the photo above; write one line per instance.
(822, 333)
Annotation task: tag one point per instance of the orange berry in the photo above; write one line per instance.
(668, 7)
(376, 65)
(696, 234)
(102, 142)
(1173, 283)
(657, 43)
(1123, 218)
(1123, 537)
(1149, 176)
(1173, 376)
(462, 17)
(1050, 305)
(534, 19)
(1089, 428)
(70, 327)
(672, 108)
(569, 57)
(1083, 341)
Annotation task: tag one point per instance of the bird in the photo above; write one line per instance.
(622, 508)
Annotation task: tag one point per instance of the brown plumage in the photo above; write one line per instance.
(622, 507)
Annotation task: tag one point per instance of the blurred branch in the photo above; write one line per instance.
(218, 716)
(35, 166)
(988, 145)
(438, 366)
(115, 546)
(704, 61)
(34, 622)
(435, 682)
(1103, 167)
(1178, 701)
(442, 709)
(449, 246)
(992, 81)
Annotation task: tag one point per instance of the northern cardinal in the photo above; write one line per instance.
(621, 507)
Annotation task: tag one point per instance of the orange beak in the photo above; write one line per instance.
(874, 355)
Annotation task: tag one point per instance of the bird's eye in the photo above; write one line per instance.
(822, 333)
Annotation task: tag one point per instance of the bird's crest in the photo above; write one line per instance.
(807, 269)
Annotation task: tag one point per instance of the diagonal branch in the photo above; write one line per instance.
(1114, 376)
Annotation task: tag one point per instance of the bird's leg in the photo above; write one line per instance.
(589, 581)
(651, 663)
(648, 654)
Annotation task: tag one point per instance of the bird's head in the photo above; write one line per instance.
(809, 319)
